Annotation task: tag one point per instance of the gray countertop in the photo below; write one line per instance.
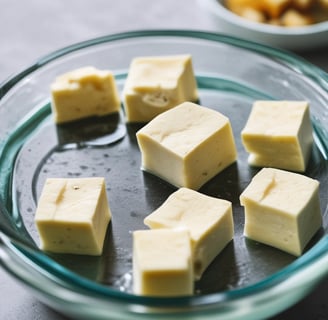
(31, 29)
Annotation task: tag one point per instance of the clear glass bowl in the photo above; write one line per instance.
(247, 280)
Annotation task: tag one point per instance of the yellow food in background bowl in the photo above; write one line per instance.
(288, 24)
(287, 13)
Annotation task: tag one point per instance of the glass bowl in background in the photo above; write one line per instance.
(247, 280)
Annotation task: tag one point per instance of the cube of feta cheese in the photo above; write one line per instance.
(282, 209)
(208, 219)
(279, 134)
(187, 145)
(162, 263)
(72, 215)
(83, 93)
(157, 84)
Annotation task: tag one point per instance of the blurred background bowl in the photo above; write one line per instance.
(293, 38)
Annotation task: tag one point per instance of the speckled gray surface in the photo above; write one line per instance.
(29, 30)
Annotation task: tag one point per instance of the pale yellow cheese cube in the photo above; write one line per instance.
(279, 134)
(83, 93)
(162, 263)
(156, 84)
(208, 219)
(282, 209)
(72, 215)
(187, 145)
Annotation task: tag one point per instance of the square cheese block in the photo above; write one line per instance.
(162, 263)
(208, 219)
(187, 145)
(72, 215)
(282, 209)
(157, 84)
(83, 93)
(279, 134)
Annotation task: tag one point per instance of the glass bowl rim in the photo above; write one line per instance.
(37, 259)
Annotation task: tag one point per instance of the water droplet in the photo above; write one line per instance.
(124, 283)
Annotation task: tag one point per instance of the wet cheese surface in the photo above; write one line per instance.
(208, 219)
(187, 145)
(156, 84)
(282, 209)
(279, 134)
(162, 263)
(83, 93)
(72, 215)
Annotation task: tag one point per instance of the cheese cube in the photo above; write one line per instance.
(279, 134)
(83, 93)
(72, 215)
(157, 84)
(187, 145)
(209, 221)
(162, 263)
(282, 209)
